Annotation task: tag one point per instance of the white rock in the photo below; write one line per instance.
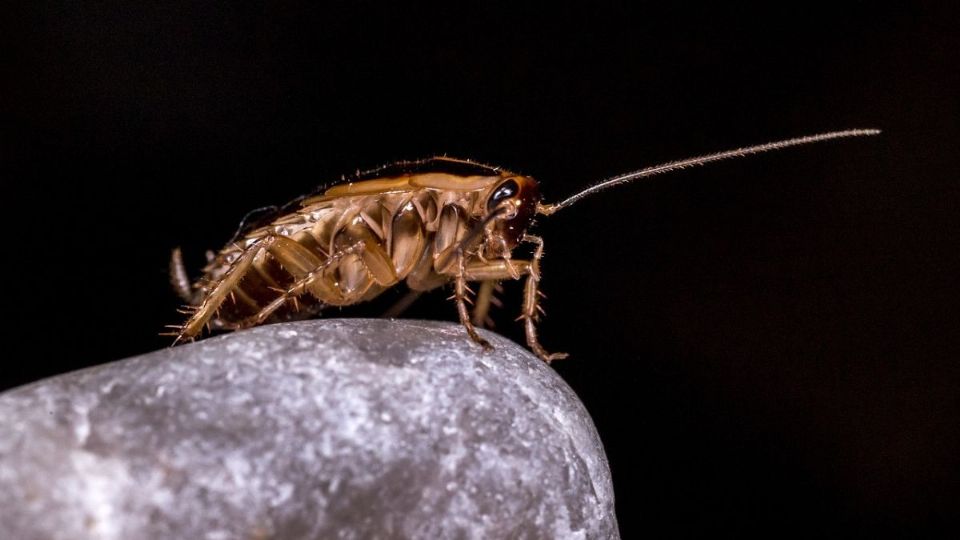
(317, 429)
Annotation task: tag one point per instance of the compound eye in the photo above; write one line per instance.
(503, 192)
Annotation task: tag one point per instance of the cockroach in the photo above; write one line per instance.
(427, 223)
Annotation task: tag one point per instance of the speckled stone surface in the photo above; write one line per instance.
(317, 429)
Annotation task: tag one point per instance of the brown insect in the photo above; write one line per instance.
(427, 223)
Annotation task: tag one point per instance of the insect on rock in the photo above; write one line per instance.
(427, 223)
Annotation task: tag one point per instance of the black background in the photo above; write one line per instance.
(766, 346)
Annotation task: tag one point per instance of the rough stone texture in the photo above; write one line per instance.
(317, 429)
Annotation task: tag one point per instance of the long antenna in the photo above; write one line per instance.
(548, 209)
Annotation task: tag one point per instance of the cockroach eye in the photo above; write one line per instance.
(504, 191)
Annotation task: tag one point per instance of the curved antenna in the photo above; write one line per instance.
(547, 209)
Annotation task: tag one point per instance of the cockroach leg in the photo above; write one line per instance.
(461, 298)
(298, 288)
(531, 307)
(503, 269)
(179, 278)
(482, 309)
(230, 279)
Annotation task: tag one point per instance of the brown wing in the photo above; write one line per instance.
(436, 164)
(435, 173)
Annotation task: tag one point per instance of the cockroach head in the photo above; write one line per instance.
(516, 197)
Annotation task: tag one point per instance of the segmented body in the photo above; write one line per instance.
(398, 232)
(424, 223)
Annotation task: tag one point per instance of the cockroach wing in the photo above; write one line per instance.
(380, 186)
(440, 173)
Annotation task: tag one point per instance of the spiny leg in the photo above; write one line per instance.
(531, 306)
(502, 269)
(460, 294)
(227, 283)
(298, 288)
